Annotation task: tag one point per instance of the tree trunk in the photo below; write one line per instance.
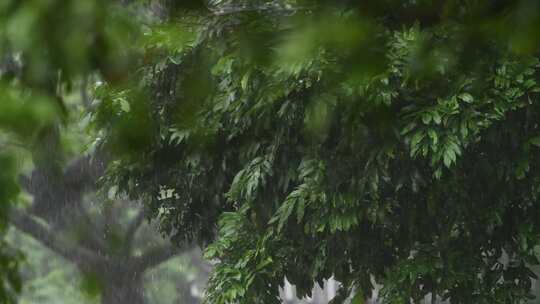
(123, 289)
(184, 294)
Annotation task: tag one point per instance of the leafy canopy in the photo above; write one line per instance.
(392, 141)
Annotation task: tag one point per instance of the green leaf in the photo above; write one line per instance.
(426, 118)
(408, 128)
(433, 135)
(245, 81)
(466, 97)
(300, 209)
(358, 298)
(437, 117)
(535, 141)
(448, 157)
(124, 104)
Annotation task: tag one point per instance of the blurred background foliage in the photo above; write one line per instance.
(292, 126)
(49, 279)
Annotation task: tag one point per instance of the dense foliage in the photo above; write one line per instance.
(10, 283)
(387, 141)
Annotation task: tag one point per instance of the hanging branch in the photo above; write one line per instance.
(53, 241)
(132, 228)
(219, 8)
(157, 255)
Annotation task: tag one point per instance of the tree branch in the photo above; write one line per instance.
(157, 255)
(41, 233)
(58, 195)
(132, 228)
(59, 202)
(84, 172)
(87, 103)
(92, 240)
(234, 9)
